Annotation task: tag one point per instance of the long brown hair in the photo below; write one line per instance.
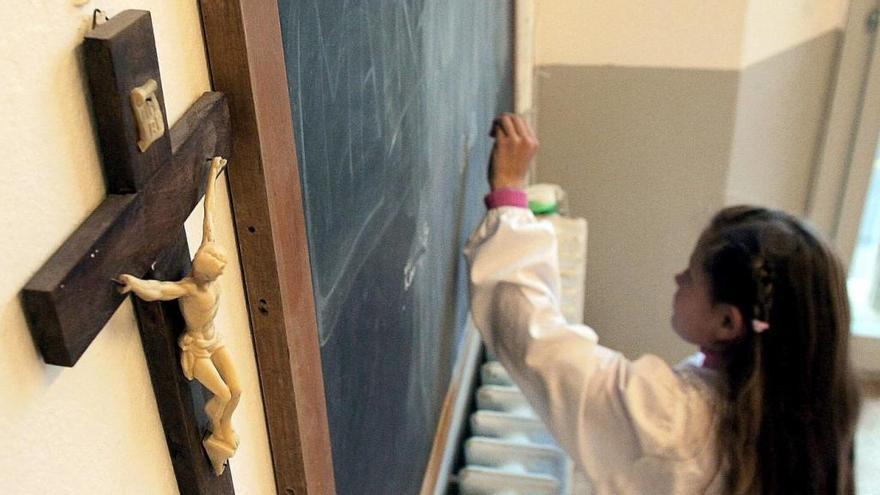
(792, 399)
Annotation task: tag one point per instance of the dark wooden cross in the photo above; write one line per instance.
(137, 229)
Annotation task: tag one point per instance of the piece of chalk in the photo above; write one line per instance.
(496, 126)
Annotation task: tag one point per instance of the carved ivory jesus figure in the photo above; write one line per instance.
(203, 354)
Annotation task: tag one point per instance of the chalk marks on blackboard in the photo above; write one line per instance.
(417, 251)
(366, 241)
(412, 41)
(388, 96)
(360, 65)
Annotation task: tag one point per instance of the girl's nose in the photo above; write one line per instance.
(679, 278)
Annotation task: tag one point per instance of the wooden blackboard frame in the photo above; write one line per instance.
(246, 59)
(456, 407)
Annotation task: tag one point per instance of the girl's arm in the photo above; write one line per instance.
(605, 411)
(608, 413)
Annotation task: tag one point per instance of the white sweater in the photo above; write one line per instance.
(634, 427)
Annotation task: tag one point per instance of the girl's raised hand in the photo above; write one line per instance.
(515, 146)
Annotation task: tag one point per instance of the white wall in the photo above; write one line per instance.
(781, 107)
(591, 53)
(789, 51)
(714, 34)
(524, 62)
(641, 33)
(93, 428)
(635, 116)
(772, 26)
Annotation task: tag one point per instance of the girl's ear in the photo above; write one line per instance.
(732, 323)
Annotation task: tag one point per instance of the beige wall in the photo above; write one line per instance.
(93, 428)
(642, 154)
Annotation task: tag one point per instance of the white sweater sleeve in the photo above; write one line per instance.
(605, 411)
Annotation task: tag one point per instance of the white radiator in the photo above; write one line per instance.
(510, 451)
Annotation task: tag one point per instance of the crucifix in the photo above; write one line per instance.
(154, 181)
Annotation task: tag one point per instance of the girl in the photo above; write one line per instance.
(769, 406)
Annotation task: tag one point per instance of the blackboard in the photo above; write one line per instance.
(392, 103)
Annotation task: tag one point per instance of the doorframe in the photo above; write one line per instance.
(245, 54)
(843, 172)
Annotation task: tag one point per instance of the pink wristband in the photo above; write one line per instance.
(506, 196)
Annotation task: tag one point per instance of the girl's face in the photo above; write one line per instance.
(695, 317)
